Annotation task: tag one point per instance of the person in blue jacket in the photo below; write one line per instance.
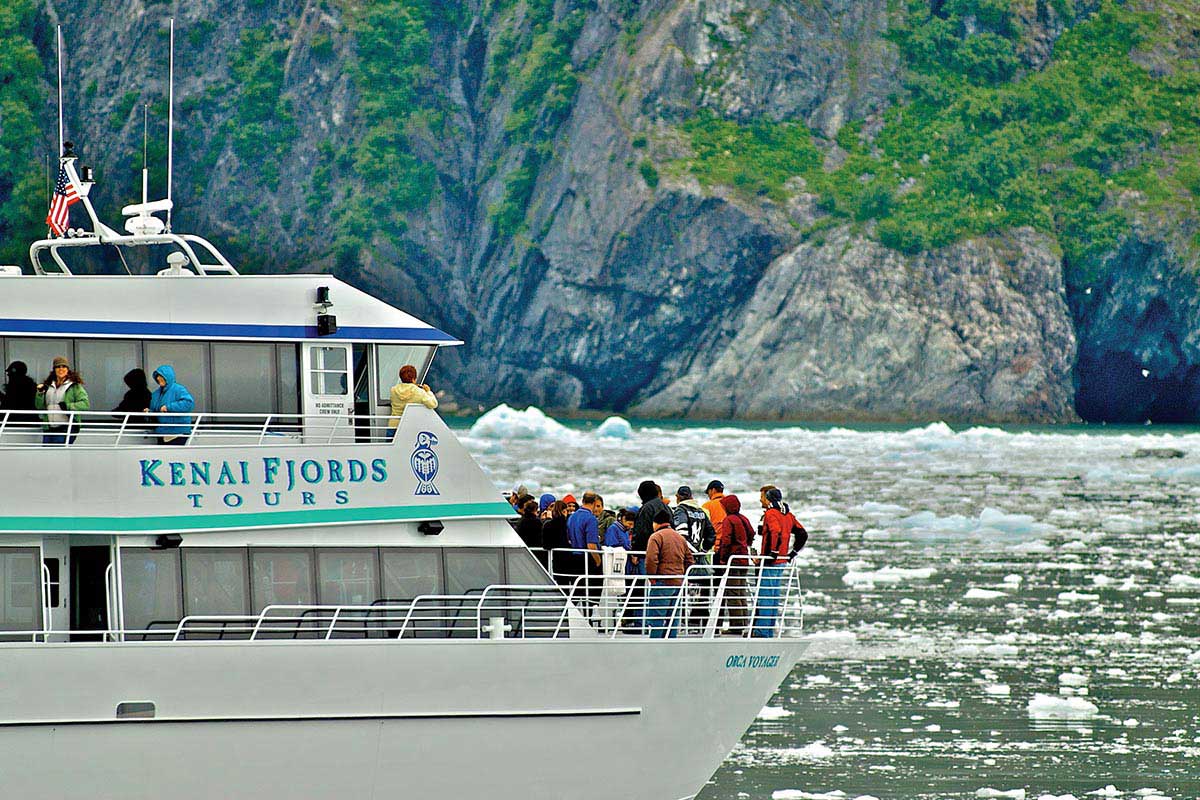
(172, 401)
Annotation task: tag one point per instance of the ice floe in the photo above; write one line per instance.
(504, 422)
(615, 428)
(1048, 706)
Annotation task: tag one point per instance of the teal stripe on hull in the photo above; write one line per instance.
(266, 519)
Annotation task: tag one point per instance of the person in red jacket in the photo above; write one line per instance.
(777, 526)
(734, 534)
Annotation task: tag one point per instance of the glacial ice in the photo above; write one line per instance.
(615, 428)
(504, 422)
(1048, 706)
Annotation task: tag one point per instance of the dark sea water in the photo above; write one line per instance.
(993, 612)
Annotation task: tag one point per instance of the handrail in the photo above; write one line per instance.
(539, 611)
(100, 429)
(47, 623)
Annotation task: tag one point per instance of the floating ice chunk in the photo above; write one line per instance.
(1056, 797)
(1014, 580)
(1194, 657)
(817, 680)
(976, 593)
(1120, 523)
(1185, 582)
(817, 751)
(1131, 723)
(996, 794)
(1107, 791)
(773, 712)
(1077, 597)
(797, 794)
(1073, 679)
(887, 575)
(615, 428)
(1047, 706)
(833, 636)
(504, 422)
(997, 689)
(1001, 651)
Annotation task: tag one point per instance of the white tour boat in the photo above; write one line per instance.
(296, 603)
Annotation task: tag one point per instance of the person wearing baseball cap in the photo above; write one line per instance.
(715, 491)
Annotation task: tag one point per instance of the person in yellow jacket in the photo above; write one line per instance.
(406, 392)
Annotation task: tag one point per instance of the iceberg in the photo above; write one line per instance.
(505, 422)
(615, 428)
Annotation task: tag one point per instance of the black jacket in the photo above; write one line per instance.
(137, 399)
(530, 531)
(695, 526)
(643, 524)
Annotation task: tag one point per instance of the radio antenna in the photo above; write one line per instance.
(60, 102)
(170, 119)
(145, 139)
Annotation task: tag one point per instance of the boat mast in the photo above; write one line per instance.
(170, 120)
(60, 102)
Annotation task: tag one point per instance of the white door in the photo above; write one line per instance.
(328, 395)
(56, 582)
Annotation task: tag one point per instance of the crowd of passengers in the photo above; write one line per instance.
(713, 539)
(64, 391)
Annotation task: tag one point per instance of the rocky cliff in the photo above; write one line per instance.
(959, 209)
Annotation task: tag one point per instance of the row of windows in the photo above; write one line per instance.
(229, 378)
(167, 585)
(234, 377)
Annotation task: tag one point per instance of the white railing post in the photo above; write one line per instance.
(121, 430)
(262, 435)
(333, 623)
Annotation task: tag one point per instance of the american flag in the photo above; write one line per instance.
(65, 196)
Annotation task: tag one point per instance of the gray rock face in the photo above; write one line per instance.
(847, 329)
(623, 289)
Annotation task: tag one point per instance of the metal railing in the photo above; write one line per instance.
(107, 430)
(752, 601)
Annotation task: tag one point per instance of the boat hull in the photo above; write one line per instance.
(381, 719)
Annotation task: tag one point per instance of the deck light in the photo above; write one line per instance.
(431, 527)
(323, 297)
(167, 541)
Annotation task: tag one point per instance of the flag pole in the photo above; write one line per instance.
(170, 119)
(60, 96)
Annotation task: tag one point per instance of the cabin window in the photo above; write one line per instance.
(288, 362)
(329, 370)
(190, 361)
(20, 589)
(523, 569)
(104, 364)
(151, 587)
(391, 357)
(39, 355)
(243, 378)
(282, 577)
(411, 572)
(348, 577)
(215, 581)
(471, 569)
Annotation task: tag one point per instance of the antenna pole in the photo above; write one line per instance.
(170, 119)
(60, 102)
(145, 139)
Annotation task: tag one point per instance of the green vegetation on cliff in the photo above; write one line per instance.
(22, 185)
(985, 143)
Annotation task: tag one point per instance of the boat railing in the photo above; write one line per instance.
(100, 429)
(740, 600)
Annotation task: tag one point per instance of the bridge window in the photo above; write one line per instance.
(151, 587)
(215, 579)
(330, 372)
(391, 357)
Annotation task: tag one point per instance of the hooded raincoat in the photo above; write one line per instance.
(178, 401)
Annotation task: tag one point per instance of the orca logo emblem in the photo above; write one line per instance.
(425, 464)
